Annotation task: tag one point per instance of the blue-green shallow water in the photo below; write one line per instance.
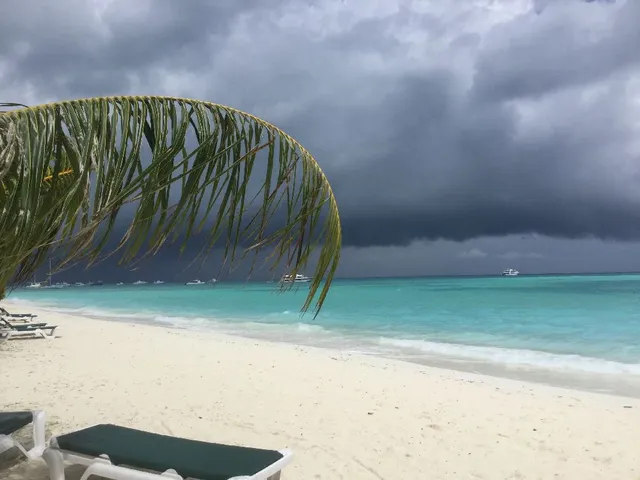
(588, 324)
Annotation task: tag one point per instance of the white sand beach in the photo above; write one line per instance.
(345, 416)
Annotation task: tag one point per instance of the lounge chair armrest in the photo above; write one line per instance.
(268, 472)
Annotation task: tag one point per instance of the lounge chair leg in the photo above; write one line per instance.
(39, 444)
(55, 462)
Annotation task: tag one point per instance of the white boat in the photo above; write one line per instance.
(195, 282)
(139, 282)
(297, 279)
(119, 283)
(158, 282)
(34, 284)
(510, 272)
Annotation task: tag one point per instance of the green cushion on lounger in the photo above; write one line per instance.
(13, 421)
(190, 458)
(30, 326)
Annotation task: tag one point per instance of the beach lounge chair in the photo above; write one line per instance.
(7, 334)
(23, 326)
(26, 331)
(17, 316)
(11, 422)
(121, 453)
(17, 319)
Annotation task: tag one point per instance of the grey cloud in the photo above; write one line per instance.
(451, 123)
(472, 253)
(519, 255)
(100, 51)
(533, 56)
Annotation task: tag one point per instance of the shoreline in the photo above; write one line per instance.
(619, 384)
(344, 415)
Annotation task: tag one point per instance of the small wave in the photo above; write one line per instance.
(513, 357)
(307, 328)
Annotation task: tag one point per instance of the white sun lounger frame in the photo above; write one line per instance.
(7, 441)
(102, 466)
(8, 334)
(20, 320)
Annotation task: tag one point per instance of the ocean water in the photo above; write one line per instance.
(545, 325)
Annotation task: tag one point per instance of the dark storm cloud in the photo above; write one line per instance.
(543, 55)
(81, 48)
(456, 121)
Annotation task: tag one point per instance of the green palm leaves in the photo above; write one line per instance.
(184, 166)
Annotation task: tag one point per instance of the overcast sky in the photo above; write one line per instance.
(461, 136)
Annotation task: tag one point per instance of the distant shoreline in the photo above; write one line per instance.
(616, 384)
(462, 275)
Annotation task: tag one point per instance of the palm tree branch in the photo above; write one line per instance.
(67, 168)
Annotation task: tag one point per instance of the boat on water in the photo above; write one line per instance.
(119, 283)
(35, 284)
(298, 278)
(510, 272)
(139, 282)
(158, 282)
(195, 282)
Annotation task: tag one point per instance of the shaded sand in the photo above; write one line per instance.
(345, 416)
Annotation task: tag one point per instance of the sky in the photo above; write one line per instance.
(460, 137)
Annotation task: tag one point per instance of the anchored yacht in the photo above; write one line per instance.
(510, 272)
(297, 279)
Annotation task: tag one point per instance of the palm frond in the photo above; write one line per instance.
(185, 166)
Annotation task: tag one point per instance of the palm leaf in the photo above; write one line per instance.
(185, 167)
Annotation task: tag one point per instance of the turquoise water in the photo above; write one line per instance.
(585, 324)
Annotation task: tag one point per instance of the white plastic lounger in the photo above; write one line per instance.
(121, 453)
(17, 316)
(27, 331)
(19, 324)
(11, 422)
(22, 334)
(17, 319)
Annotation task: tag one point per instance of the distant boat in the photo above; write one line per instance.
(158, 282)
(34, 284)
(510, 272)
(139, 282)
(48, 283)
(119, 283)
(195, 282)
(78, 284)
(297, 279)
(95, 284)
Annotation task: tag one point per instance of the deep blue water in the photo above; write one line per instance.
(576, 323)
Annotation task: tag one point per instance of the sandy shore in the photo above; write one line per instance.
(345, 416)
